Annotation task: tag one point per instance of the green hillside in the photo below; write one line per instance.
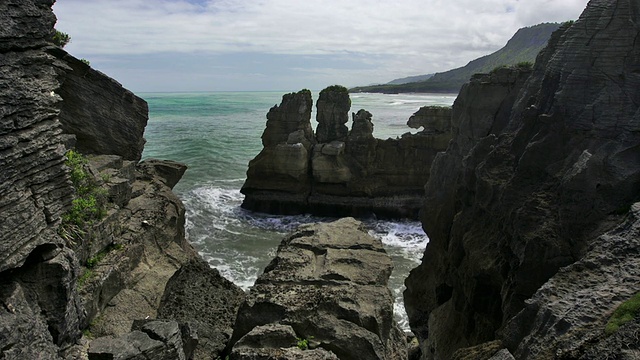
(524, 46)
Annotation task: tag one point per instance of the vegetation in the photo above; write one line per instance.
(626, 312)
(86, 61)
(302, 343)
(60, 38)
(88, 206)
(523, 47)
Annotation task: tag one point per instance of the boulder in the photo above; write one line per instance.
(326, 287)
(169, 172)
(199, 295)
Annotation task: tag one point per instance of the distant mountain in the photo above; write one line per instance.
(410, 79)
(524, 46)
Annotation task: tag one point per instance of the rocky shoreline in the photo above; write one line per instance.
(531, 205)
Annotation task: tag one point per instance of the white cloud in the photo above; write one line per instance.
(408, 36)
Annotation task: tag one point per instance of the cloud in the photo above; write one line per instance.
(402, 37)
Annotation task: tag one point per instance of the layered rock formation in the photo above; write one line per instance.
(60, 274)
(341, 172)
(536, 174)
(327, 290)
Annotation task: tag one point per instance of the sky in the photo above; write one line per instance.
(288, 45)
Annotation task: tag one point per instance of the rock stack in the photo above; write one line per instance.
(337, 171)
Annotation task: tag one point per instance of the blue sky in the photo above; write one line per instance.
(287, 45)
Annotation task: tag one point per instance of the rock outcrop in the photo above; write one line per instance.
(536, 173)
(338, 172)
(63, 273)
(326, 290)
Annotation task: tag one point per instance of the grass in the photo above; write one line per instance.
(626, 312)
(302, 343)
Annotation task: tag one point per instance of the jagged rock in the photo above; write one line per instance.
(569, 312)
(528, 184)
(158, 340)
(328, 282)
(23, 332)
(333, 113)
(293, 115)
(112, 123)
(169, 172)
(198, 294)
(350, 174)
(433, 119)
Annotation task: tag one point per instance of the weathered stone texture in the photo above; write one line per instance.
(534, 174)
(327, 284)
(114, 124)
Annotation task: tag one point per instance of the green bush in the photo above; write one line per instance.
(61, 39)
(623, 314)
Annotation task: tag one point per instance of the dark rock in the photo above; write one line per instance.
(333, 113)
(293, 115)
(158, 340)
(328, 283)
(534, 174)
(169, 172)
(198, 294)
(111, 123)
(350, 174)
(433, 119)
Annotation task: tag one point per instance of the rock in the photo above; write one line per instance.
(328, 283)
(536, 172)
(169, 172)
(161, 340)
(112, 123)
(293, 115)
(350, 174)
(333, 113)
(199, 295)
(433, 119)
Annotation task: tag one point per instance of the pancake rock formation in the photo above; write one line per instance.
(337, 171)
(325, 292)
(532, 210)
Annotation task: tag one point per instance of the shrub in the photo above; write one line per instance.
(60, 38)
(623, 314)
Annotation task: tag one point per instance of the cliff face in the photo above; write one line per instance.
(341, 172)
(59, 278)
(534, 174)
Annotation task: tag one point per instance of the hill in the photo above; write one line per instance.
(522, 47)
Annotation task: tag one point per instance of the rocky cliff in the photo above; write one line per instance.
(535, 180)
(340, 171)
(89, 237)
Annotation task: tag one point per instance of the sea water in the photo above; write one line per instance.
(216, 134)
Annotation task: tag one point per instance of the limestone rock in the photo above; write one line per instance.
(292, 115)
(161, 340)
(169, 172)
(333, 113)
(433, 119)
(535, 173)
(328, 283)
(199, 295)
(112, 123)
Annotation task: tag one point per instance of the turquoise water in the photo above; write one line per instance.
(216, 134)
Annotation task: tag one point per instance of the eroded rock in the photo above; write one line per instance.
(328, 286)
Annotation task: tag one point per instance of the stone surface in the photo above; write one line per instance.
(333, 113)
(293, 115)
(347, 173)
(169, 172)
(158, 340)
(199, 295)
(328, 283)
(105, 117)
(533, 176)
(432, 119)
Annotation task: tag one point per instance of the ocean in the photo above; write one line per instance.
(217, 133)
